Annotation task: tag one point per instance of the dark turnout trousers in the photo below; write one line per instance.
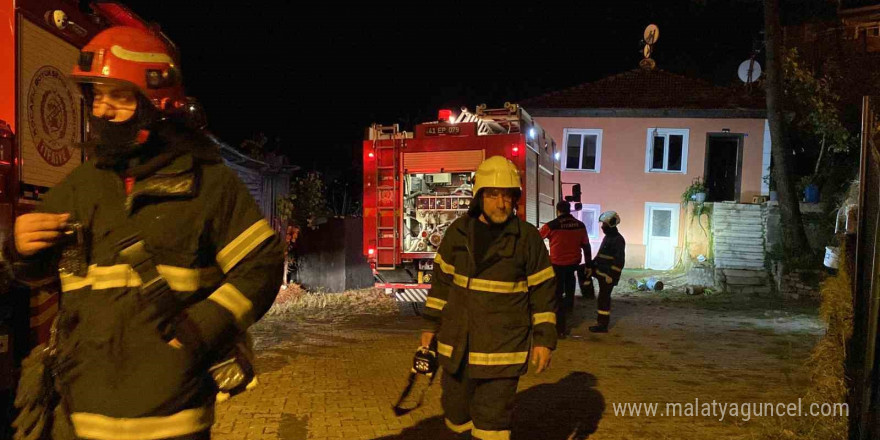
(603, 304)
(482, 406)
(565, 283)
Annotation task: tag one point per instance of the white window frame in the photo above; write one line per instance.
(579, 215)
(582, 131)
(649, 149)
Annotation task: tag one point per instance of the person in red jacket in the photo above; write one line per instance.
(568, 242)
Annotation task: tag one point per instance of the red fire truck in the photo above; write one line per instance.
(416, 184)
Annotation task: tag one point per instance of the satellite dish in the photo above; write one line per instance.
(652, 34)
(749, 71)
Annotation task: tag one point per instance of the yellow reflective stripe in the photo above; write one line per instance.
(607, 257)
(100, 427)
(491, 285)
(541, 276)
(605, 275)
(443, 349)
(459, 429)
(490, 435)
(604, 313)
(540, 318)
(616, 269)
(444, 266)
(181, 279)
(237, 249)
(492, 359)
(42, 318)
(231, 299)
(140, 57)
(435, 303)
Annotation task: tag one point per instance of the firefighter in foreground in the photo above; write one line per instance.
(608, 266)
(493, 287)
(568, 243)
(172, 262)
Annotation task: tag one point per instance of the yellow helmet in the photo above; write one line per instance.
(497, 172)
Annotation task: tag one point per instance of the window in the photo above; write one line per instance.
(589, 214)
(667, 150)
(583, 149)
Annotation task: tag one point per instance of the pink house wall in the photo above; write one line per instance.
(622, 183)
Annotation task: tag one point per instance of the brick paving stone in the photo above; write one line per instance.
(331, 381)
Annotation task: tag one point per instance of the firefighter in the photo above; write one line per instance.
(176, 259)
(608, 266)
(568, 244)
(493, 286)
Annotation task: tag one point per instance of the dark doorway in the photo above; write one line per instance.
(723, 166)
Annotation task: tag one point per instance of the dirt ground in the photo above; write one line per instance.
(338, 378)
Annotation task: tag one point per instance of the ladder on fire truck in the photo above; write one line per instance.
(387, 170)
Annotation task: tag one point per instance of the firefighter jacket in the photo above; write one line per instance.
(486, 311)
(568, 236)
(222, 261)
(610, 259)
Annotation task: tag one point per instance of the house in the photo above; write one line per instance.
(267, 180)
(635, 141)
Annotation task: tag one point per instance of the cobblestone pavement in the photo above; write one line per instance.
(339, 381)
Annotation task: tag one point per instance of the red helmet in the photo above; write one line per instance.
(137, 57)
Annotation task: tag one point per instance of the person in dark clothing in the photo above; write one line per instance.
(175, 260)
(569, 244)
(608, 267)
(491, 301)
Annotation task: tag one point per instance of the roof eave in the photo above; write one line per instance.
(723, 113)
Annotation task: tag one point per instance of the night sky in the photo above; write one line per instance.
(316, 74)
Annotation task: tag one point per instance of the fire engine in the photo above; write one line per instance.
(42, 119)
(417, 183)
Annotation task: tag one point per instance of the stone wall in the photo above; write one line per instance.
(796, 284)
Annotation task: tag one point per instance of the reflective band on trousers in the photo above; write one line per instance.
(181, 279)
(242, 245)
(490, 435)
(604, 312)
(100, 427)
(540, 318)
(459, 429)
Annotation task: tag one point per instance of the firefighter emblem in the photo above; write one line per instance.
(52, 115)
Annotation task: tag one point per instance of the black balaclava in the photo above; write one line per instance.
(608, 229)
(116, 142)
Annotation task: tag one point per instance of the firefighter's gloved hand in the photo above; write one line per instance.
(541, 358)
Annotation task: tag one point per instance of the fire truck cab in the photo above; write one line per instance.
(417, 183)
